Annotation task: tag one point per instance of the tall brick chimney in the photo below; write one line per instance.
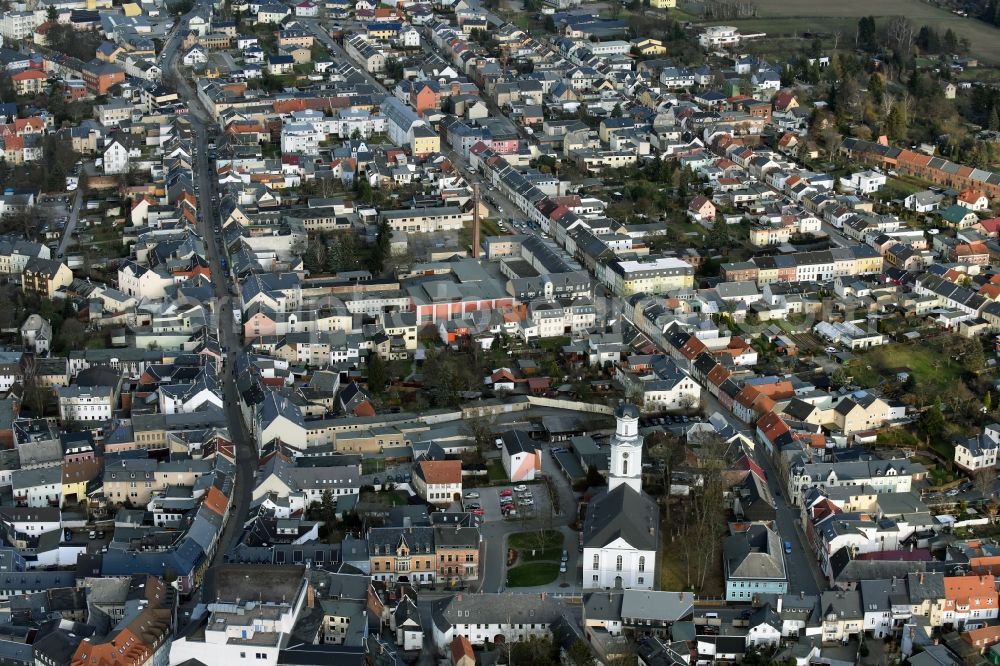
(475, 221)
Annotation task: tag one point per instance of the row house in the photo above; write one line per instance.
(424, 555)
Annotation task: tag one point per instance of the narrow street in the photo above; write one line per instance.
(74, 215)
(802, 569)
(245, 448)
(320, 33)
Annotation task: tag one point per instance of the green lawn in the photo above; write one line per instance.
(929, 366)
(385, 497)
(898, 437)
(899, 188)
(549, 539)
(372, 465)
(547, 555)
(487, 227)
(496, 472)
(532, 574)
(553, 343)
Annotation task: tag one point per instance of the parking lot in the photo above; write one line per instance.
(81, 535)
(489, 500)
(675, 419)
(393, 475)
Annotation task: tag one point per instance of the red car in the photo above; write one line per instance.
(506, 492)
(477, 512)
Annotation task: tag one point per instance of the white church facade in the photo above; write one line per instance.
(621, 529)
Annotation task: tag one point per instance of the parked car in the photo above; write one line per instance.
(520, 488)
(472, 495)
(93, 534)
(506, 492)
(565, 556)
(788, 546)
(562, 567)
(527, 501)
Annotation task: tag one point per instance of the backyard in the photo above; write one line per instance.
(934, 370)
(388, 498)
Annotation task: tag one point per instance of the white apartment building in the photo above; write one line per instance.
(38, 487)
(301, 137)
(425, 220)
(247, 628)
(19, 25)
(85, 403)
(719, 37)
(865, 182)
(979, 452)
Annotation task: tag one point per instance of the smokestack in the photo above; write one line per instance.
(475, 220)
(779, 602)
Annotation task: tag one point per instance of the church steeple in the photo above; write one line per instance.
(626, 449)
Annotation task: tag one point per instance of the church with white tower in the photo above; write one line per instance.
(621, 529)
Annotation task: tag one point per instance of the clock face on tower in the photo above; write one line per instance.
(625, 456)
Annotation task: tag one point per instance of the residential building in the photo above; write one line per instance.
(438, 481)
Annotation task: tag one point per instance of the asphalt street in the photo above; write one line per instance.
(245, 447)
(74, 215)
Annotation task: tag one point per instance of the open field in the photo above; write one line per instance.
(928, 365)
(778, 17)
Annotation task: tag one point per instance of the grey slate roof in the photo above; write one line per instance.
(754, 554)
(662, 606)
(622, 513)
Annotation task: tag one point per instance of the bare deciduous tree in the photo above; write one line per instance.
(983, 481)
(705, 511)
(901, 36)
(35, 395)
(666, 449)
(480, 429)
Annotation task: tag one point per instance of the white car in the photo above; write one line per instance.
(472, 495)
(526, 501)
(830, 350)
(521, 488)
